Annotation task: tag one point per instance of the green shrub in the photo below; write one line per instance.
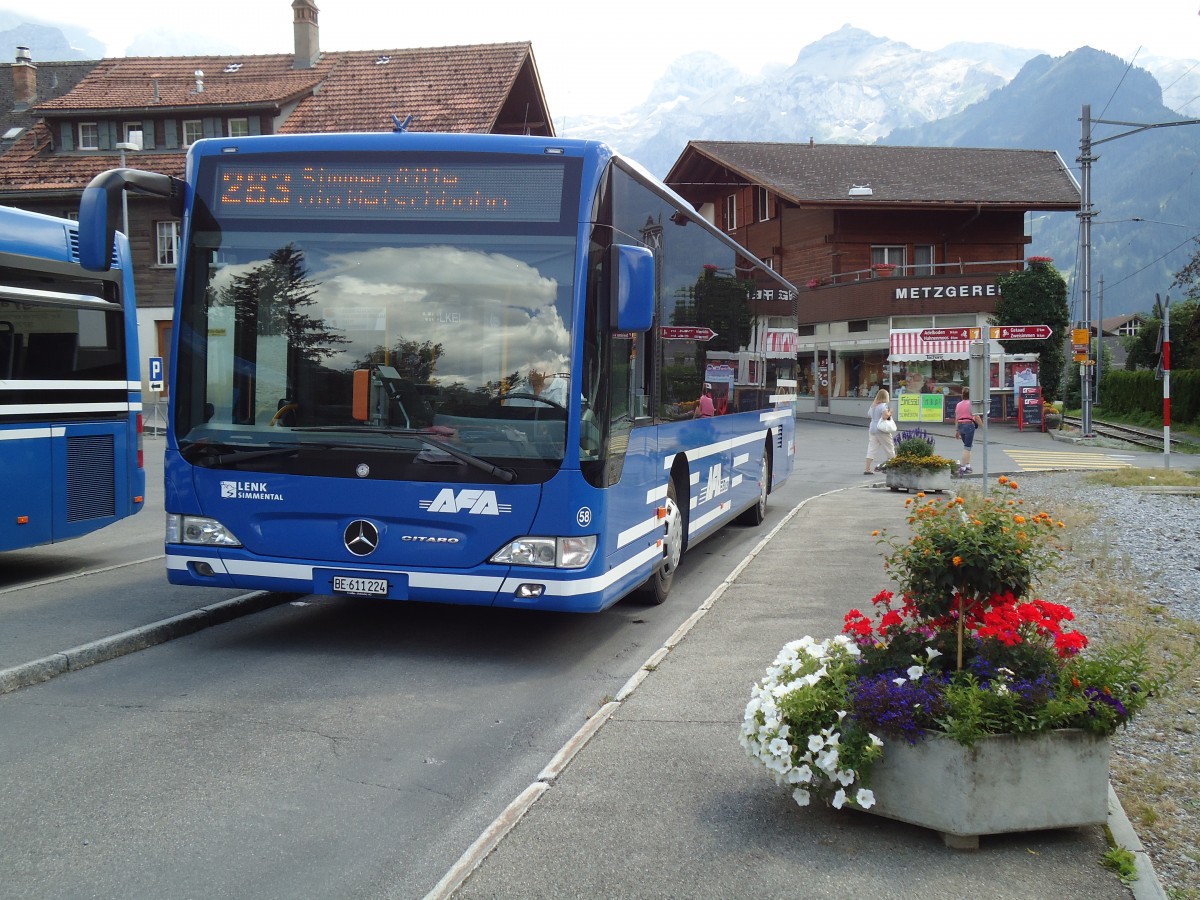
(915, 446)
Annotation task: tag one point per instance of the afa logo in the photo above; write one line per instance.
(472, 501)
(717, 484)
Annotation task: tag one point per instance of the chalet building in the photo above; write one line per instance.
(1115, 330)
(146, 112)
(881, 243)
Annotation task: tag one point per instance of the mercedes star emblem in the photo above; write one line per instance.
(361, 537)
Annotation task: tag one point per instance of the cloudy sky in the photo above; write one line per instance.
(603, 57)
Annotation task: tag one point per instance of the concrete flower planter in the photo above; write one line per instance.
(918, 479)
(1004, 783)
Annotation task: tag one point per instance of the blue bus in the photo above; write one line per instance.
(455, 368)
(70, 385)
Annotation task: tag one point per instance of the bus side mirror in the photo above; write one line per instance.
(632, 288)
(100, 210)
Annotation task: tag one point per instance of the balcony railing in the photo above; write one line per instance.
(924, 270)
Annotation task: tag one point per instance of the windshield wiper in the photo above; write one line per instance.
(211, 455)
(506, 475)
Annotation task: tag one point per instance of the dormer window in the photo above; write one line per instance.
(89, 136)
(383, 60)
(193, 130)
(232, 67)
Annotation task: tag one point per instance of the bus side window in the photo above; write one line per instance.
(50, 354)
(10, 349)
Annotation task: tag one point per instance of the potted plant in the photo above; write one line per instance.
(1051, 415)
(963, 704)
(883, 270)
(915, 467)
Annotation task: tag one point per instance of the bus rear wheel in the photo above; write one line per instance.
(656, 588)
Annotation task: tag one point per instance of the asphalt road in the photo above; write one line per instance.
(323, 747)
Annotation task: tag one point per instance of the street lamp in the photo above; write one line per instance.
(132, 146)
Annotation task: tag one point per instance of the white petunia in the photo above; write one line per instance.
(815, 742)
(899, 680)
(838, 799)
(779, 747)
(845, 777)
(864, 798)
(933, 653)
(915, 672)
(801, 796)
(827, 762)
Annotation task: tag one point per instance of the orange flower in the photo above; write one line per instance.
(957, 560)
(1003, 479)
(875, 533)
(1020, 520)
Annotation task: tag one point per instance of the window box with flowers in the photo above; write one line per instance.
(963, 704)
(884, 270)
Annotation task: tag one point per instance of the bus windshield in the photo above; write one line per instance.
(410, 336)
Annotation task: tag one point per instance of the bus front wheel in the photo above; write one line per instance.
(657, 587)
(755, 514)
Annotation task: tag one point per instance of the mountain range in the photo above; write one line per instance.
(852, 86)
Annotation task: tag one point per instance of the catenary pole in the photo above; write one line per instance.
(1086, 214)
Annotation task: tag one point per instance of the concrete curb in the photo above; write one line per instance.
(39, 670)
(1147, 885)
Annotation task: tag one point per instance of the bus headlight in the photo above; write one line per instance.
(199, 530)
(549, 552)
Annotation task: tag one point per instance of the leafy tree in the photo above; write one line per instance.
(1142, 348)
(413, 360)
(1037, 296)
(273, 299)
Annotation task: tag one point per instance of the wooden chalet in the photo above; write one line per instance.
(881, 243)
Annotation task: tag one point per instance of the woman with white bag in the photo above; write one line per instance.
(880, 442)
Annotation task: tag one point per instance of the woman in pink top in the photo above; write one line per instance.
(965, 423)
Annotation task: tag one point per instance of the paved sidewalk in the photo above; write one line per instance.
(663, 802)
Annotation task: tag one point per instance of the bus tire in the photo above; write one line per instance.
(758, 512)
(658, 585)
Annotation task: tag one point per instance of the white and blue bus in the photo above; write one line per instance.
(70, 386)
(454, 368)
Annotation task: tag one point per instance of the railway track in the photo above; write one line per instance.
(1140, 437)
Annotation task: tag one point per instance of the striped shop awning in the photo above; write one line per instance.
(907, 346)
(781, 342)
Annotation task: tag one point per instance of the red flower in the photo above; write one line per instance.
(857, 623)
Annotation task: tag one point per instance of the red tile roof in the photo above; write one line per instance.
(164, 83)
(445, 89)
(469, 88)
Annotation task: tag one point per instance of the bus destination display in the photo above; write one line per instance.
(458, 192)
